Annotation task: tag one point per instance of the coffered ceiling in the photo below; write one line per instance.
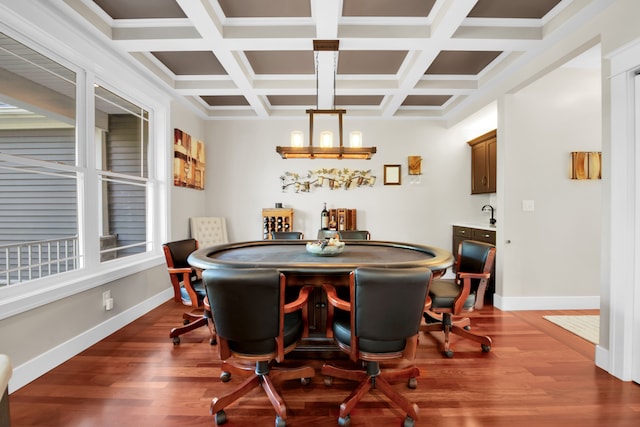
(396, 58)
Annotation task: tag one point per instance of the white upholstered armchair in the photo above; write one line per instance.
(208, 231)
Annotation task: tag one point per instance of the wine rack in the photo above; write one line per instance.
(276, 219)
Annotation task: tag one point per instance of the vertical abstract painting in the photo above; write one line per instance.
(188, 161)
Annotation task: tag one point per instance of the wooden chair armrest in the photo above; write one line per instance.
(300, 302)
(465, 290)
(465, 278)
(180, 270)
(428, 302)
(334, 300)
(463, 275)
(193, 296)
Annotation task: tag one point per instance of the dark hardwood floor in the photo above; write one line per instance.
(536, 374)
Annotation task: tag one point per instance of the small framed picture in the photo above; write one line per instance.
(391, 174)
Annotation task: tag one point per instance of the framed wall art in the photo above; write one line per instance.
(188, 161)
(391, 174)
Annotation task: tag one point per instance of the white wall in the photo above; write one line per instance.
(545, 122)
(554, 250)
(243, 176)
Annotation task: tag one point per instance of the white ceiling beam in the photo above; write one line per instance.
(326, 14)
(447, 20)
(210, 27)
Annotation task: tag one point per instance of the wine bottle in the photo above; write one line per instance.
(332, 223)
(324, 218)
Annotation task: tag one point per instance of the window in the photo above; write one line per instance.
(122, 131)
(38, 171)
(63, 192)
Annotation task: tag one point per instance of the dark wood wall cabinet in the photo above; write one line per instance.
(461, 233)
(483, 163)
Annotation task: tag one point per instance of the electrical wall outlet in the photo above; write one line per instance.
(107, 301)
(105, 296)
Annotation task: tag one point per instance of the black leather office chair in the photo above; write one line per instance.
(254, 323)
(381, 323)
(327, 234)
(187, 289)
(354, 235)
(287, 235)
(452, 298)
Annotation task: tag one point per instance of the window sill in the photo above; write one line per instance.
(16, 299)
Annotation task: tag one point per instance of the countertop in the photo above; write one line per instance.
(478, 225)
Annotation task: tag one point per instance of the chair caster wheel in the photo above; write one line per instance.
(176, 340)
(185, 322)
(408, 422)
(305, 381)
(467, 328)
(344, 422)
(212, 341)
(280, 422)
(412, 383)
(328, 381)
(448, 353)
(225, 376)
(486, 348)
(220, 418)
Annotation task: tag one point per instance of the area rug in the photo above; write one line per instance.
(587, 327)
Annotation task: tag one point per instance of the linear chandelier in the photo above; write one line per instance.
(326, 150)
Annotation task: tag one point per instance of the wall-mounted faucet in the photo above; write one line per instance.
(492, 221)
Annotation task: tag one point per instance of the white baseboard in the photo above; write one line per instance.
(34, 368)
(546, 303)
(602, 358)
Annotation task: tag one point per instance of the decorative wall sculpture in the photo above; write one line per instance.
(333, 179)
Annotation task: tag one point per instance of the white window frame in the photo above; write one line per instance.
(16, 299)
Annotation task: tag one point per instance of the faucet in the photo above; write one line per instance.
(492, 221)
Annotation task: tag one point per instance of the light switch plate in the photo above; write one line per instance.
(527, 206)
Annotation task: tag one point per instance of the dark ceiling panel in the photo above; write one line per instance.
(532, 9)
(298, 100)
(141, 9)
(406, 8)
(464, 62)
(281, 62)
(426, 100)
(370, 61)
(225, 101)
(375, 100)
(191, 62)
(265, 8)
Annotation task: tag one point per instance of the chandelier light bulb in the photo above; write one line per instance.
(326, 139)
(355, 139)
(297, 138)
